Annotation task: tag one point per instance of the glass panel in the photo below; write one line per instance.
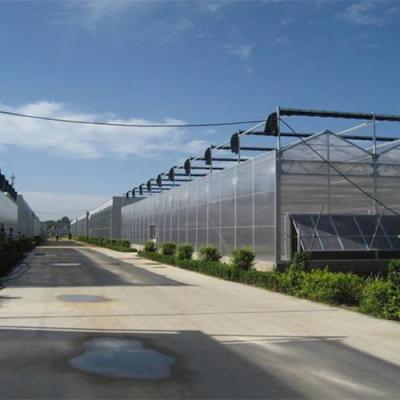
(391, 225)
(326, 233)
(368, 225)
(306, 229)
(348, 232)
(227, 240)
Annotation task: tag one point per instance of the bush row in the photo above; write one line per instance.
(242, 258)
(379, 296)
(113, 244)
(12, 252)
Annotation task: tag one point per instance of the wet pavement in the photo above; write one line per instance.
(123, 358)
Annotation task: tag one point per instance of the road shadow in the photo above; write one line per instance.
(68, 267)
(36, 364)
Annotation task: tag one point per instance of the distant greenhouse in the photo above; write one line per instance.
(103, 221)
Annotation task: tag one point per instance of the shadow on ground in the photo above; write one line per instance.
(37, 364)
(69, 267)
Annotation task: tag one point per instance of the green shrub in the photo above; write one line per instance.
(331, 287)
(375, 297)
(12, 252)
(150, 247)
(243, 258)
(184, 251)
(113, 244)
(158, 257)
(379, 297)
(300, 261)
(168, 248)
(394, 273)
(382, 297)
(209, 253)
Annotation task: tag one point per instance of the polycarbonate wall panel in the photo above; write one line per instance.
(230, 208)
(308, 185)
(28, 222)
(79, 227)
(8, 213)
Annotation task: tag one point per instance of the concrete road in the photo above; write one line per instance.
(92, 323)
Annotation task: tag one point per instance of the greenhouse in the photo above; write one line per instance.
(324, 193)
(103, 221)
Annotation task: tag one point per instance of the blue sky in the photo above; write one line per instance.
(192, 61)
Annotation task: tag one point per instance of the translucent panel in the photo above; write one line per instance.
(244, 184)
(214, 236)
(214, 187)
(214, 215)
(192, 217)
(202, 216)
(264, 173)
(228, 212)
(389, 153)
(228, 183)
(373, 233)
(264, 243)
(327, 233)
(264, 209)
(244, 237)
(391, 226)
(348, 232)
(307, 233)
(217, 209)
(325, 146)
(191, 238)
(244, 211)
(227, 240)
(201, 237)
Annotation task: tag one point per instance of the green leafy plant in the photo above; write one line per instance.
(209, 253)
(243, 258)
(331, 287)
(381, 297)
(184, 251)
(12, 252)
(150, 247)
(168, 248)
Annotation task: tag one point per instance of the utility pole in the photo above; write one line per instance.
(12, 177)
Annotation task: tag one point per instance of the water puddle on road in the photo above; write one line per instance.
(82, 298)
(123, 358)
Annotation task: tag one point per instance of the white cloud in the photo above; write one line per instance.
(212, 7)
(285, 22)
(49, 205)
(91, 141)
(242, 51)
(365, 13)
(93, 13)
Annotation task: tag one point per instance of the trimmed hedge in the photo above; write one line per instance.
(184, 251)
(379, 296)
(113, 244)
(319, 285)
(243, 258)
(150, 246)
(168, 248)
(209, 253)
(12, 252)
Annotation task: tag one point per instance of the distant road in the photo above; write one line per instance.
(81, 324)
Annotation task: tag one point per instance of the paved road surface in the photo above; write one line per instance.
(80, 324)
